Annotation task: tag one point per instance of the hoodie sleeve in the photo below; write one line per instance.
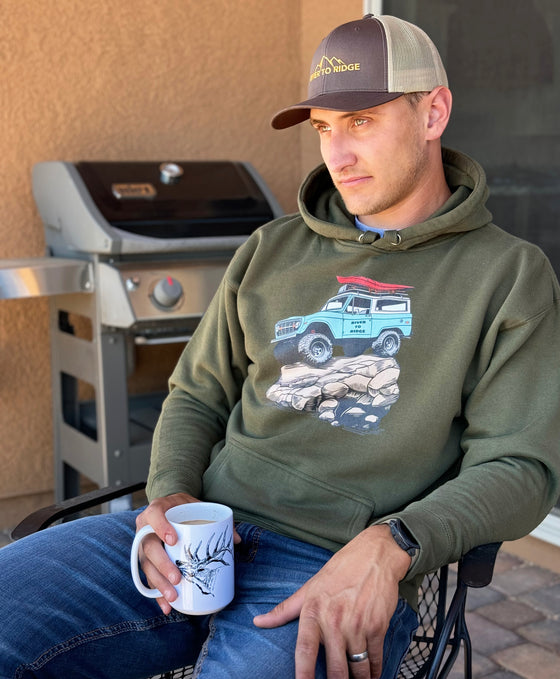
(509, 475)
(204, 388)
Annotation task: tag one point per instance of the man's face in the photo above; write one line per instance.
(377, 158)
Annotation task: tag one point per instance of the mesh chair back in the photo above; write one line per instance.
(431, 615)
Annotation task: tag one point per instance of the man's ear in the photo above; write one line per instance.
(439, 102)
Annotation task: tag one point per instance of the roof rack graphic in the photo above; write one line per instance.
(362, 283)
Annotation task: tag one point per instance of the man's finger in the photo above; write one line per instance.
(154, 515)
(158, 521)
(284, 612)
(307, 648)
(375, 650)
(360, 670)
(341, 642)
(153, 554)
(161, 573)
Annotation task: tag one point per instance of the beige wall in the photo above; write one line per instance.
(172, 79)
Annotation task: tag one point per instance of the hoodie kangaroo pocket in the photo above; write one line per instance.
(284, 499)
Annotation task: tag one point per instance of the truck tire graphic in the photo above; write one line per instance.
(315, 348)
(387, 344)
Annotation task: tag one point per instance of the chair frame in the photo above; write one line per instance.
(442, 631)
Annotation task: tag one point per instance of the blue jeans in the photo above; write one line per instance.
(69, 609)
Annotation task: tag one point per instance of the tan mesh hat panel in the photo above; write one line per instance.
(414, 64)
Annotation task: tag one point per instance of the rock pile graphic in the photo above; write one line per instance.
(353, 393)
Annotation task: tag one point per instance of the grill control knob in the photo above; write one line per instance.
(167, 292)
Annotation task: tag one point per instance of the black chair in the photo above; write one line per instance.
(442, 628)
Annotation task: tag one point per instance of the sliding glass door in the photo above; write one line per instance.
(503, 62)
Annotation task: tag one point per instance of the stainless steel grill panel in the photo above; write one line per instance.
(137, 252)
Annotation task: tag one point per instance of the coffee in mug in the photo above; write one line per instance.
(203, 553)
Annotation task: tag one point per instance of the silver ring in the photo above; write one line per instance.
(357, 657)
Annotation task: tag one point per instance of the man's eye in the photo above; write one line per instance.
(322, 128)
(358, 122)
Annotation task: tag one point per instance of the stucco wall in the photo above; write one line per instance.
(173, 79)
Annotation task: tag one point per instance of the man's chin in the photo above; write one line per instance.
(354, 208)
(350, 205)
(361, 208)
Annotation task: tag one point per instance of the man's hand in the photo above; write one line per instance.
(346, 606)
(160, 571)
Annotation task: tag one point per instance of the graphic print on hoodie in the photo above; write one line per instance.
(367, 322)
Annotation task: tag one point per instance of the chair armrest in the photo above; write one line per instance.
(41, 518)
(476, 567)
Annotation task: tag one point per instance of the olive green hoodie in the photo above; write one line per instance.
(451, 422)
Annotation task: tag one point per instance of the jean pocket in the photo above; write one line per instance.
(246, 550)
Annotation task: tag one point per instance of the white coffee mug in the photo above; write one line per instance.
(203, 553)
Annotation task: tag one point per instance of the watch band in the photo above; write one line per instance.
(402, 537)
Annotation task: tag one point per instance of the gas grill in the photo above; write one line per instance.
(137, 250)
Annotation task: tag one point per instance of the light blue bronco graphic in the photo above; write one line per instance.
(363, 314)
(367, 320)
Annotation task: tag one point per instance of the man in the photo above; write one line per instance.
(374, 390)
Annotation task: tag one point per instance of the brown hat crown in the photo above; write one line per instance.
(365, 63)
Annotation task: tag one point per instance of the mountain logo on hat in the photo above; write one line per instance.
(333, 65)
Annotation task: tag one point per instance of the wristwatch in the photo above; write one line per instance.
(402, 537)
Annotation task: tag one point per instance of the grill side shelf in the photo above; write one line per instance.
(44, 276)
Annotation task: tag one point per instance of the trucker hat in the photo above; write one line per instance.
(364, 63)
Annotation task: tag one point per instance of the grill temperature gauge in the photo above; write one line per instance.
(167, 292)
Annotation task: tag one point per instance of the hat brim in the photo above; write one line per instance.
(331, 101)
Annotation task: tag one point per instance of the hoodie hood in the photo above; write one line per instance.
(324, 212)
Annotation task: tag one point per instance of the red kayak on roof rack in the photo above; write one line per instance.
(374, 286)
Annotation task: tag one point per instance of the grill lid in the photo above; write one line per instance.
(149, 207)
(205, 199)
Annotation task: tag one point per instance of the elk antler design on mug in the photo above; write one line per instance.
(202, 571)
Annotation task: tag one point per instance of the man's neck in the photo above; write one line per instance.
(428, 197)
(395, 218)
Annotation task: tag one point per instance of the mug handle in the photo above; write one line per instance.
(146, 591)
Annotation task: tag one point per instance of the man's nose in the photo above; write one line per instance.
(338, 153)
